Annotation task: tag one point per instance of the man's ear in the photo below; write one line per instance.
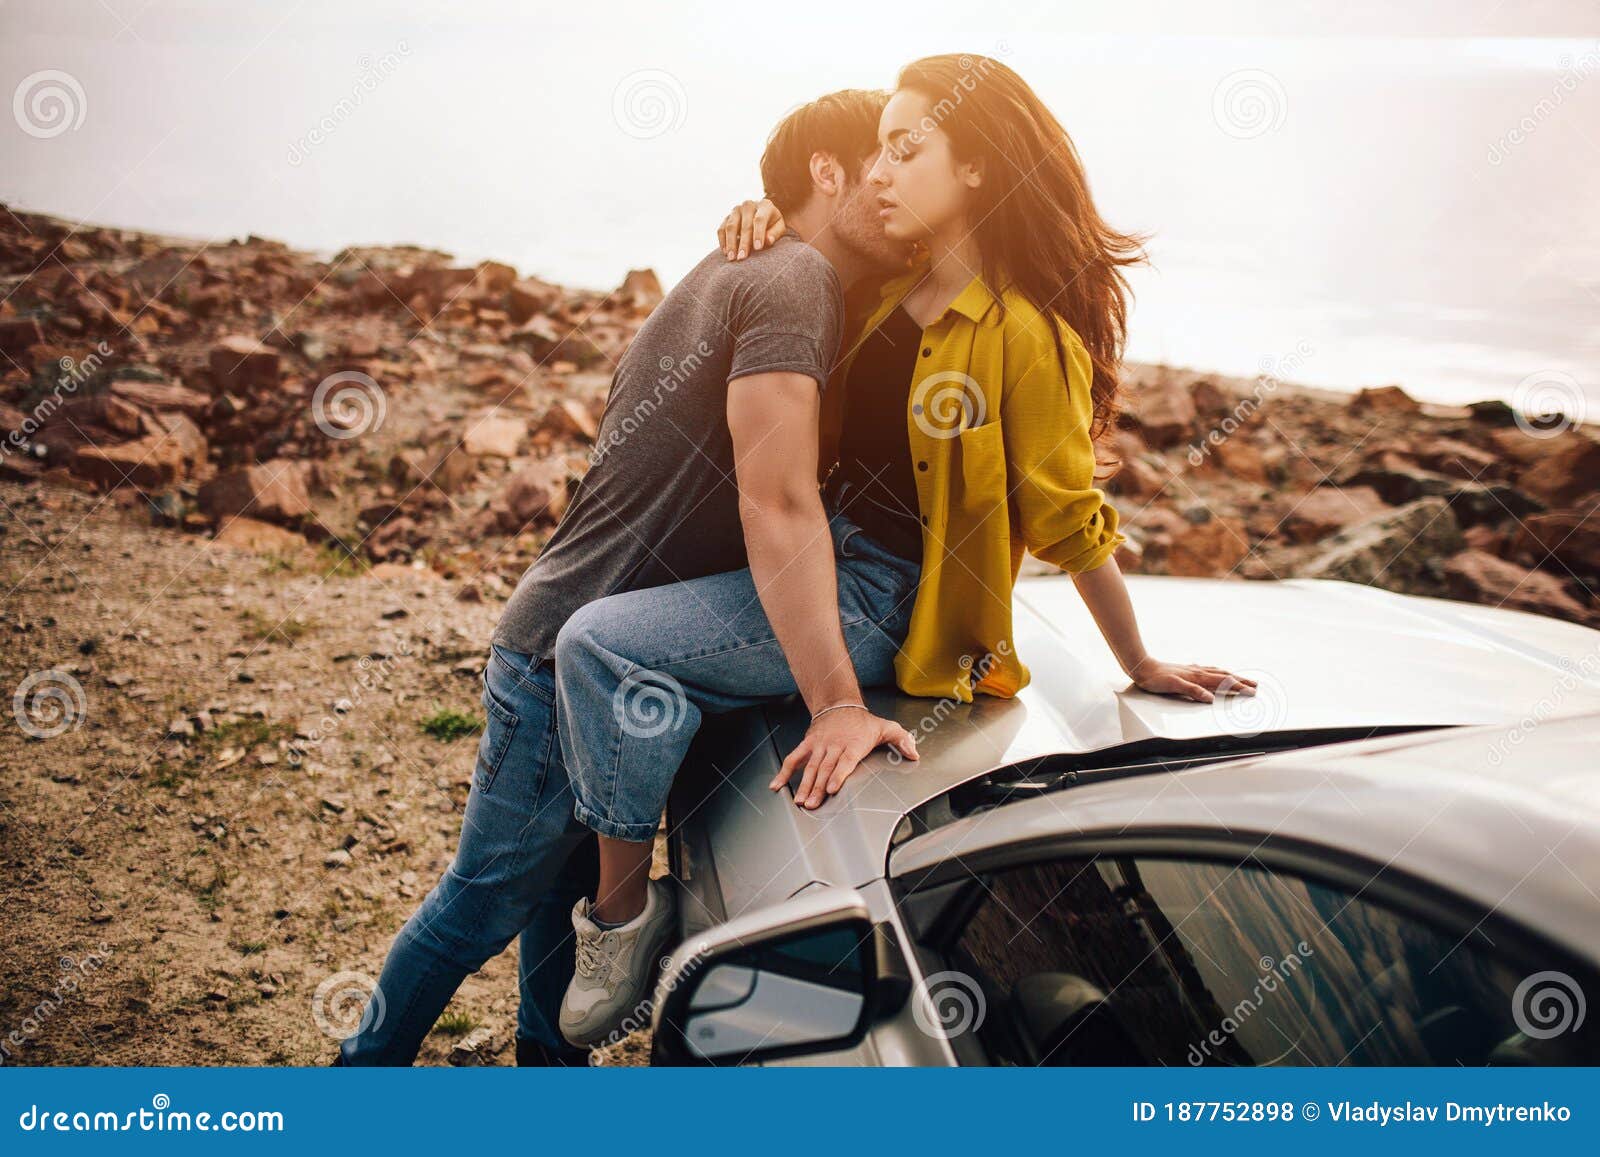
(826, 174)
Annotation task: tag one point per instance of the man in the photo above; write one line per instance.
(700, 467)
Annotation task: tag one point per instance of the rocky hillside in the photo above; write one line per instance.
(389, 406)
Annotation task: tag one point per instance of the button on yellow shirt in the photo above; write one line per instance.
(1004, 465)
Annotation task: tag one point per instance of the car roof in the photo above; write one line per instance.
(1507, 817)
(1326, 654)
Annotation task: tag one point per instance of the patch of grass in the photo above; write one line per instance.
(334, 561)
(201, 754)
(330, 560)
(262, 626)
(211, 892)
(456, 1023)
(448, 724)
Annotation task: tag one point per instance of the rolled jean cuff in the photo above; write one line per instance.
(637, 833)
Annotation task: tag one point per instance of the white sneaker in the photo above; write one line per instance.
(615, 966)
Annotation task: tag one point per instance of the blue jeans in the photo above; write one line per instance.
(635, 672)
(524, 857)
(522, 863)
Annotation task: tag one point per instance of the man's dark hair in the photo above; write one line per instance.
(843, 124)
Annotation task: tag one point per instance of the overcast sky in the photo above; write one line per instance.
(1314, 174)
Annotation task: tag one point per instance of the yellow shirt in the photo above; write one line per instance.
(1004, 464)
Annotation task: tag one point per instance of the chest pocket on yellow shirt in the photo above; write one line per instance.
(983, 468)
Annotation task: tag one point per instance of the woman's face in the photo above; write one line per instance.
(920, 188)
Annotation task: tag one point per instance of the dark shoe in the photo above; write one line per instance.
(532, 1054)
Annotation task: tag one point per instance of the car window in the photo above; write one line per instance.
(1186, 962)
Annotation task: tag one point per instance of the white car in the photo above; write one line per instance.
(1389, 856)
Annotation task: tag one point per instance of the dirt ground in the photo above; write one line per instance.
(179, 899)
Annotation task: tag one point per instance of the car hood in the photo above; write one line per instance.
(1325, 654)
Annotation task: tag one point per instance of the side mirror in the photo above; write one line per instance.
(804, 976)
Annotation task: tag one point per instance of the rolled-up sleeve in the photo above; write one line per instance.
(1066, 521)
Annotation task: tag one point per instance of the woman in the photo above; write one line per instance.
(1011, 324)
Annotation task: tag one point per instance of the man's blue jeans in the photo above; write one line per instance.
(522, 863)
(525, 858)
(635, 672)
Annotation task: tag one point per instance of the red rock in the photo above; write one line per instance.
(1458, 459)
(243, 363)
(495, 436)
(274, 491)
(1485, 537)
(1476, 576)
(1136, 479)
(258, 537)
(11, 419)
(397, 538)
(1568, 471)
(537, 493)
(147, 464)
(1214, 547)
(172, 424)
(161, 396)
(1385, 400)
(1329, 509)
(120, 415)
(1570, 537)
(494, 276)
(18, 333)
(437, 287)
(569, 418)
(1522, 449)
(529, 297)
(1165, 412)
(1241, 459)
(641, 289)
(410, 469)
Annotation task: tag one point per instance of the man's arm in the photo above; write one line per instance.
(773, 419)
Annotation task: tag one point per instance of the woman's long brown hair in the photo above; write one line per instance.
(1034, 221)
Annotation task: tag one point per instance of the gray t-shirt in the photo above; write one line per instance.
(660, 503)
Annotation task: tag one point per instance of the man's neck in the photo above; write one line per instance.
(811, 226)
